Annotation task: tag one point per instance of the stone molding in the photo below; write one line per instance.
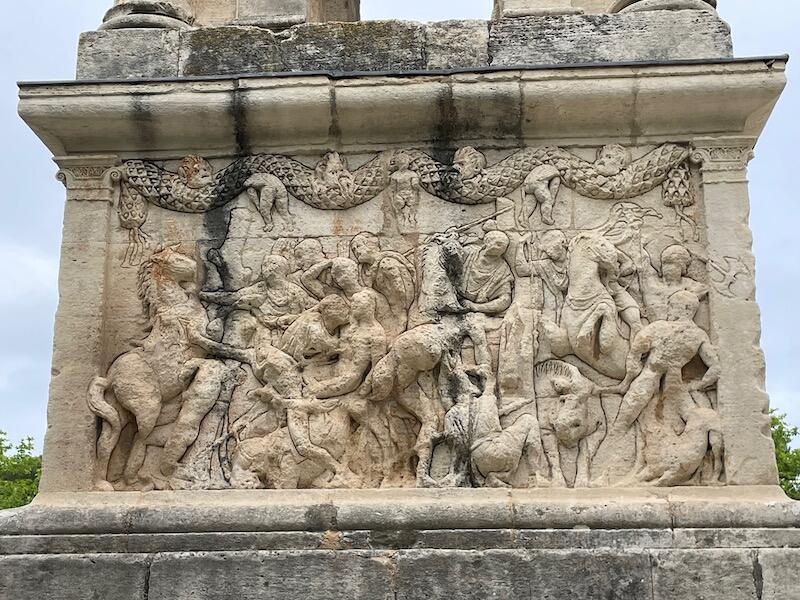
(317, 112)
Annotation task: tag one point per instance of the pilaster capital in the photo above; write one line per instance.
(89, 177)
(725, 158)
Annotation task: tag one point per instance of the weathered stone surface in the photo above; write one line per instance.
(510, 575)
(404, 46)
(229, 50)
(712, 574)
(64, 577)
(253, 575)
(646, 36)
(776, 574)
(363, 46)
(128, 54)
(456, 44)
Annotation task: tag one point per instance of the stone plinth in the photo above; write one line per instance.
(393, 310)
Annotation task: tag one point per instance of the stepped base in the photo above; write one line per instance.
(725, 544)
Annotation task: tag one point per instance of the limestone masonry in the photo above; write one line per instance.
(390, 310)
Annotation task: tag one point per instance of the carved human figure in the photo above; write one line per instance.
(654, 386)
(315, 437)
(675, 263)
(590, 318)
(332, 175)
(418, 352)
(547, 261)
(541, 188)
(363, 344)
(268, 195)
(660, 352)
(487, 284)
(476, 437)
(343, 277)
(405, 188)
(388, 273)
(167, 364)
(273, 301)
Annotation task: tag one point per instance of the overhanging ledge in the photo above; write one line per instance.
(510, 107)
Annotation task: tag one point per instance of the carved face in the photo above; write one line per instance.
(274, 267)
(196, 172)
(675, 262)
(363, 306)
(469, 162)
(495, 243)
(365, 248)
(308, 253)
(554, 244)
(344, 273)
(612, 159)
(334, 311)
(400, 162)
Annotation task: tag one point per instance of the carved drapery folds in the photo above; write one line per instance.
(549, 331)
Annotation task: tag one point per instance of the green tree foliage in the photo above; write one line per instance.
(20, 471)
(788, 458)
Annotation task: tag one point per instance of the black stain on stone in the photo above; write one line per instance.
(142, 118)
(322, 517)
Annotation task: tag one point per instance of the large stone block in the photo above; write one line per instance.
(128, 54)
(64, 577)
(647, 36)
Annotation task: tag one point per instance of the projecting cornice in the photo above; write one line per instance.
(510, 107)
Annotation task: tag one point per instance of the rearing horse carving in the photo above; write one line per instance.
(167, 364)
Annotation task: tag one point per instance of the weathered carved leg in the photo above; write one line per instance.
(145, 426)
(297, 422)
(550, 443)
(198, 400)
(639, 395)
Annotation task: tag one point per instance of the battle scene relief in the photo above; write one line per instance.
(538, 318)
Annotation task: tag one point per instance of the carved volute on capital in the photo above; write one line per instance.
(92, 179)
(150, 14)
(729, 156)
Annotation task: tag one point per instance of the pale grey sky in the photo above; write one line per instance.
(38, 42)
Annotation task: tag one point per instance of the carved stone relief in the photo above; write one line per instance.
(548, 333)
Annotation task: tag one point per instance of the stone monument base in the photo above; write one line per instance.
(683, 543)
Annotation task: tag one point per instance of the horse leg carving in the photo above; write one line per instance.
(198, 400)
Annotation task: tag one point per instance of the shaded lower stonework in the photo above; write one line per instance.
(413, 330)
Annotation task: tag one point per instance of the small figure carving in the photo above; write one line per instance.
(541, 188)
(390, 274)
(269, 195)
(548, 261)
(405, 189)
(675, 263)
(273, 301)
(418, 352)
